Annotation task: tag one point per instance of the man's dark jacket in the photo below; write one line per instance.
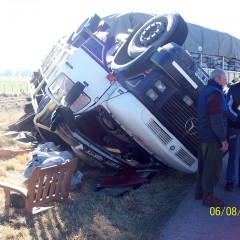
(233, 106)
(205, 128)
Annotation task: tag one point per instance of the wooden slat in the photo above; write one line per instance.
(45, 185)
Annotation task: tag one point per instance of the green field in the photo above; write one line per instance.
(14, 84)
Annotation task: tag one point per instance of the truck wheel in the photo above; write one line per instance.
(126, 67)
(158, 31)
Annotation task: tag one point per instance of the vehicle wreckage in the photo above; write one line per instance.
(122, 96)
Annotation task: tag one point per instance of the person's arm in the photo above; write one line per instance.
(232, 114)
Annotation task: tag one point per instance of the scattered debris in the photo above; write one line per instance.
(46, 155)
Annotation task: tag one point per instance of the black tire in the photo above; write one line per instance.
(135, 66)
(126, 67)
(158, 31)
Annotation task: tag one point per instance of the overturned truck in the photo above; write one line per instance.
(120, 97)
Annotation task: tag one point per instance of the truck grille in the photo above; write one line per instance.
(159, 132)
(165, 139)
(185, 157)
(176, 114)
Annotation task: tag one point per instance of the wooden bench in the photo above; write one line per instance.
(45, 186)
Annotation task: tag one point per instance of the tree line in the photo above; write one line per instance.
(16, 73)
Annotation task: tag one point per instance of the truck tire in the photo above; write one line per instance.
(126, 67)
(158, 31)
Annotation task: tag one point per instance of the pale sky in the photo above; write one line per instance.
(30, 27)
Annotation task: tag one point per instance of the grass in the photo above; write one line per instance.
(2, 172)
(139, 214)
(12, 233)
(14, 84)
(90, 214)
(16, 164)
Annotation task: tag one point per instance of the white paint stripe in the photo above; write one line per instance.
(230, 105)
(184, 74)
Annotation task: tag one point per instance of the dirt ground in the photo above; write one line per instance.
(10, 102)
(11, 108)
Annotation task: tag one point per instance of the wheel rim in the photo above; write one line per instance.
(151, 33)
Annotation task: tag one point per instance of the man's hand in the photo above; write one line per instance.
(224, 146)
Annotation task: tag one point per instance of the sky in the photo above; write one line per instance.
(29, 28)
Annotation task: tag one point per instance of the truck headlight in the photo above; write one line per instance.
(160, 86)
(152, 94)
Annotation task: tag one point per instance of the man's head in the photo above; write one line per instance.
(219, 76)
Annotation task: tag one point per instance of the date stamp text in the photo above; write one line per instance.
(224, 211)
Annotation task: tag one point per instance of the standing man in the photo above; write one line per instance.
(233, 110)
(212, 115)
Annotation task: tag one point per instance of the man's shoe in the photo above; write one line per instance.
(198, 194)
(229, 187)
(210, 201)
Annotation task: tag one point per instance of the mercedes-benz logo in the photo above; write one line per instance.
(191, 126)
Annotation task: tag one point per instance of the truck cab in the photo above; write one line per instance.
(116, 109)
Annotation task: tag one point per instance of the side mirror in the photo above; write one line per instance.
(74, 93)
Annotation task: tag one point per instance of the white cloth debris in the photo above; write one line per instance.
(46, 155)
(38, 159)
(48, 146)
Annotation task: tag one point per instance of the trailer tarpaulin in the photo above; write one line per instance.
(199, 40)
(211, 42)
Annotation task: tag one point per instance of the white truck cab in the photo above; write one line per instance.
(134, 107)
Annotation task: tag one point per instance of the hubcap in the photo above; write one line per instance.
(152, 33)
